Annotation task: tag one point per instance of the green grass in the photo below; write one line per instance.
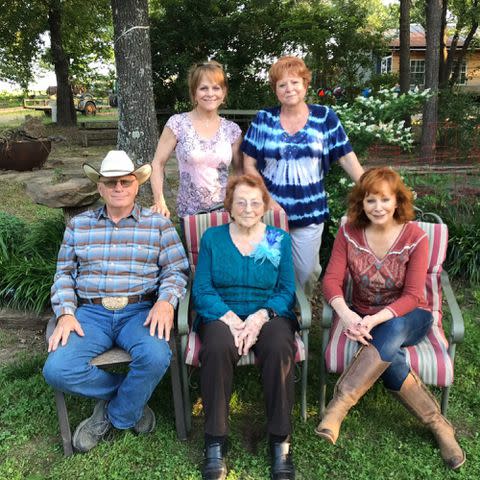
(16, 202)
(379, 438)
(14, 117)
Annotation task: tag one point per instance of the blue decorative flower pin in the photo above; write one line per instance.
(268, 248)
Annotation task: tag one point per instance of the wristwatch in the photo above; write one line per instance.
(270, 313)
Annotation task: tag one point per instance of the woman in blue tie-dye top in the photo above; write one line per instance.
(292, 146)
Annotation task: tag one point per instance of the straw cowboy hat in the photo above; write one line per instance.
(117, 164)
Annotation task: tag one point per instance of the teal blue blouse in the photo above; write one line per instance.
(227, 280)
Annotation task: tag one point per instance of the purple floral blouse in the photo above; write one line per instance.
(203, 163)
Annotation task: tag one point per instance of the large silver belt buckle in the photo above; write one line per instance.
(114, 303)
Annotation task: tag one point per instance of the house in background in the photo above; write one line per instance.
(469, 80)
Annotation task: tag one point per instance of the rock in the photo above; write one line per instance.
(75, 192)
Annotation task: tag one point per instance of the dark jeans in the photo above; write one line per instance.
(275, 354)
(389, 338)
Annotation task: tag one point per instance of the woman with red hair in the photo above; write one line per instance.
(292, 147)
(387, 257)
(243, 294)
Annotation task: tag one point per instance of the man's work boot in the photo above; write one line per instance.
(147, 422)
(91, 430)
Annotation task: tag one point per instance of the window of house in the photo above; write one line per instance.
(386, 65)
(462, 78)
(417, 73)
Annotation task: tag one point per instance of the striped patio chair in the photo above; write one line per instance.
(432, 358)
(194, 227)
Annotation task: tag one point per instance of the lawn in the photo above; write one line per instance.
(13, 117)
(379, 439)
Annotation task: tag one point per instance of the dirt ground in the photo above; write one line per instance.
(14, 343)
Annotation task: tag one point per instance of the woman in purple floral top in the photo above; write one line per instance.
(205, 144)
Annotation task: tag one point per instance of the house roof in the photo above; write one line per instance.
(417, 38)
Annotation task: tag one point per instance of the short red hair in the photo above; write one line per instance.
(253, 181)
(370, 183)
(292, 65)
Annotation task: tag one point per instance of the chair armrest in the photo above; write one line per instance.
(303, 306)
(457, 331)
(183, 310)
(327, 314)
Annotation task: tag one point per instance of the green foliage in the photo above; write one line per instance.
(20, 28)
(12, 231)
(242, 35)
(339, 37)
(437, 193)
(337, 186)
(378, 118)
(459, 117)
(86, 36)
(336, 38)
(8, 100)
(382, 81)
(463, 258)
(28, 261)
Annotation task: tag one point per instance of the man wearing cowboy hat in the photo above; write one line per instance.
(121, 270)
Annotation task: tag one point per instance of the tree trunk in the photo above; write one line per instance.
(137, 123)
(66, 114)
(461, 55)
(452, 52)
(432, 58)
(442, 70)
(405, 51)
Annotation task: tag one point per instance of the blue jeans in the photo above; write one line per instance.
(389, 338)
(68, 368)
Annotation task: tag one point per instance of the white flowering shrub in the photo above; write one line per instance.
(379, 118)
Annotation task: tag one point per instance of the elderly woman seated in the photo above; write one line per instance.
(243, 294)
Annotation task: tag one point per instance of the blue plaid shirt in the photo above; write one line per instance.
(140, 254)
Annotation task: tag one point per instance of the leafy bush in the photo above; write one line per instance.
(462, 216)
(378, 118)
(8, 100)
(463, 257)
(380, 81)
(459, 117)
(337, 186)
(12, 231)
(28, 262)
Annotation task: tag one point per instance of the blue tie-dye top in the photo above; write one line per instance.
(293, 166)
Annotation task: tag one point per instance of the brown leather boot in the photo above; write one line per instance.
(356, 380)
(419, 400)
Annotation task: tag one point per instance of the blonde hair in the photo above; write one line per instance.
(210, 69)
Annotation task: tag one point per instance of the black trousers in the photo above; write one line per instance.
(275, 352)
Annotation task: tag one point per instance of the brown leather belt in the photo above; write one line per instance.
(117, 303)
